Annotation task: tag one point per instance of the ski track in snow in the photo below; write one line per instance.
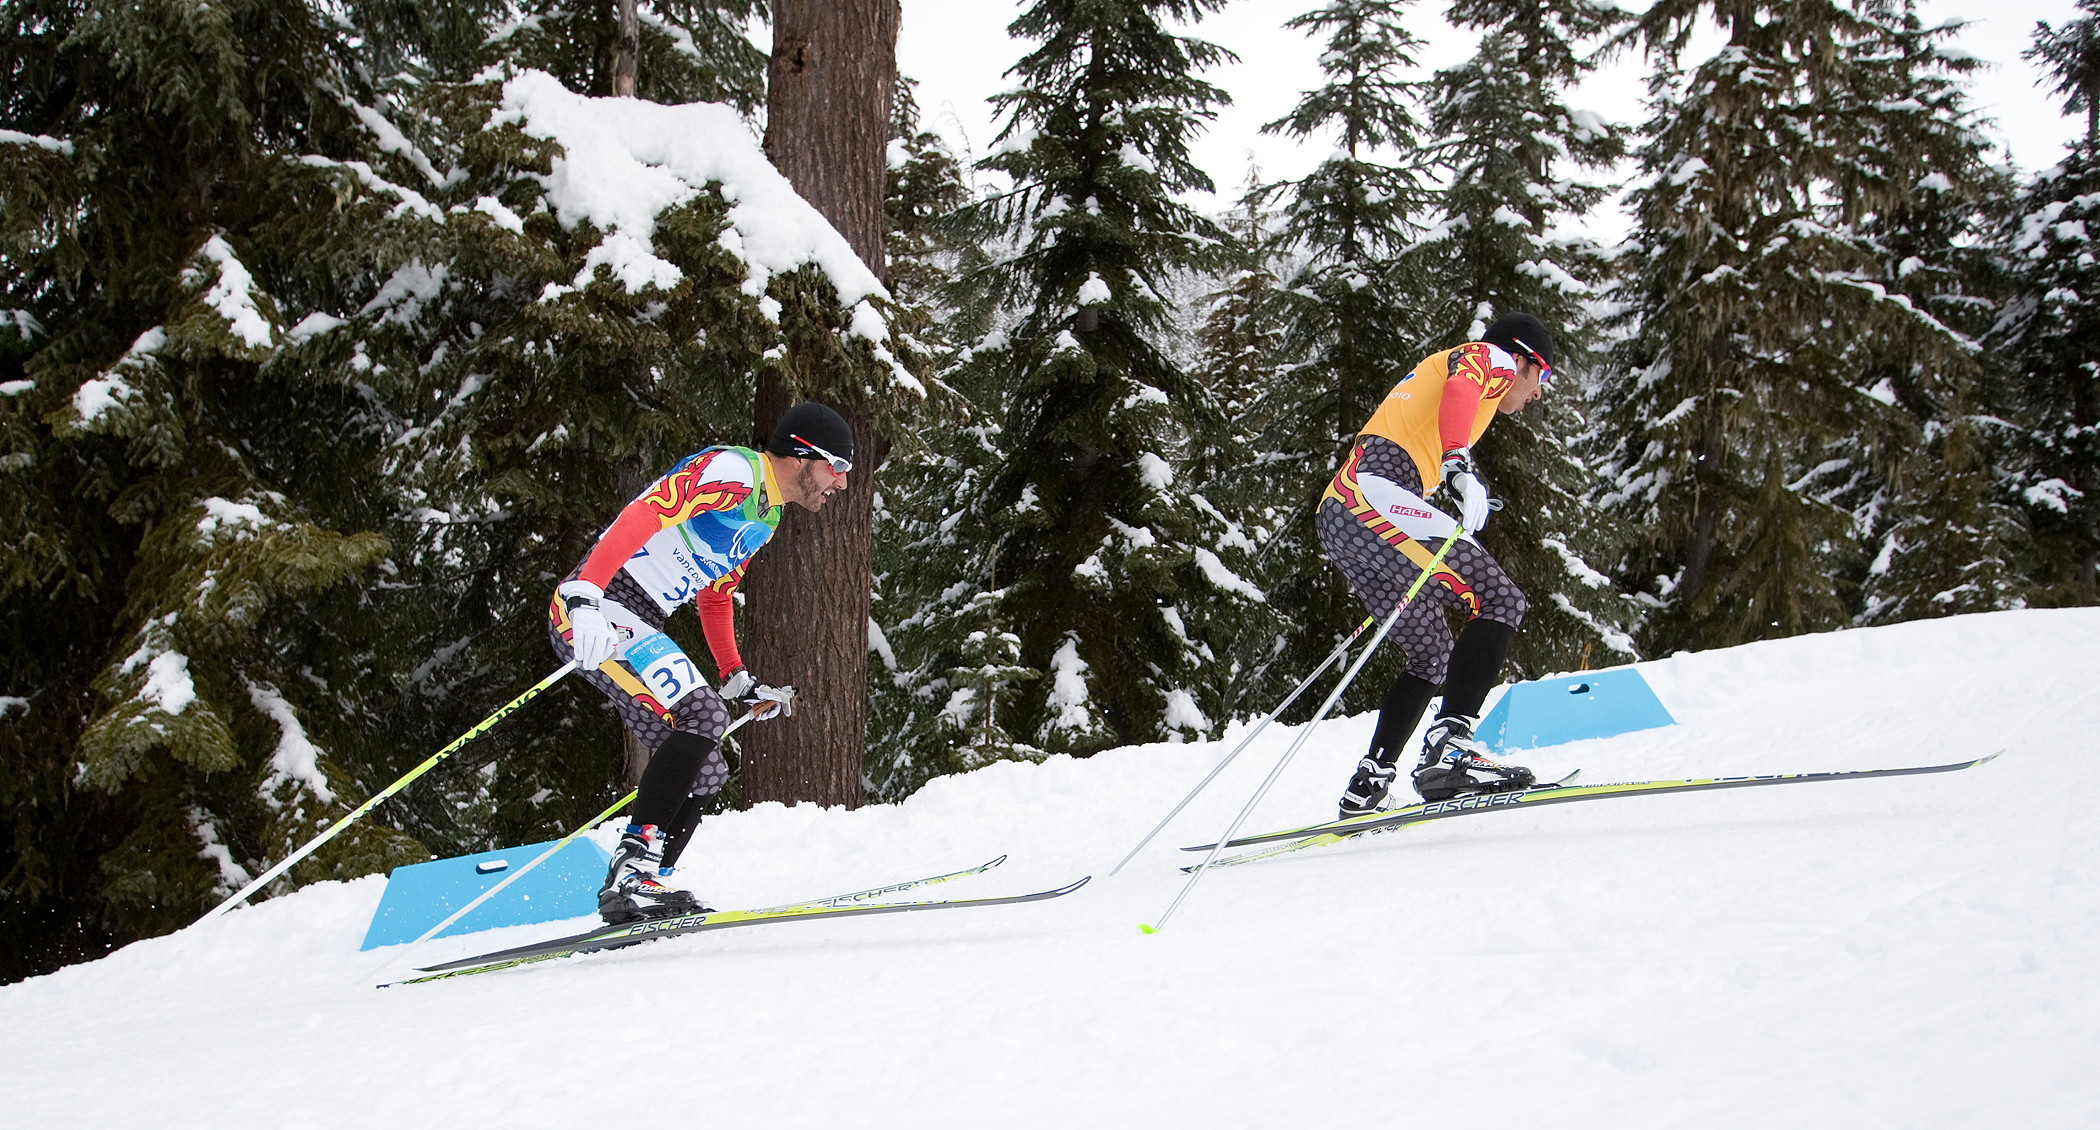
(1910, 952)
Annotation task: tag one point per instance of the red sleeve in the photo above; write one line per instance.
(717, 612)
(1473, 377)
(620, 542)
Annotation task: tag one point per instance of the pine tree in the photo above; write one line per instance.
(1729, 407)
(1351, 316)
(542, 353)
(1514, 152)
(690, 50)
(293, 328)
(2072, 53)
(1240, 354)
(2048, 327)
(171, 490)
(945, 667)
(1097, 541)
(1944, 540)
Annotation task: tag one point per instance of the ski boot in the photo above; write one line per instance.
(1454, 765)
(632, 891)
(1368, 788)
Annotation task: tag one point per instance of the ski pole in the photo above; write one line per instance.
(542, 857)
(1341, 650)
(1369, 649)
(479, 729)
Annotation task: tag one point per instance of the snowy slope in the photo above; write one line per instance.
(1910, 952)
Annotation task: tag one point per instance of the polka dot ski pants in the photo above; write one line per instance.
(700, 712)
(1380, 574)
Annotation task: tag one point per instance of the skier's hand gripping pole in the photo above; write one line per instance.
(1332, 697)
(762, 700)
(480, 728)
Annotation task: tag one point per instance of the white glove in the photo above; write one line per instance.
(1466, 487)
(591, 637)
(743, 688)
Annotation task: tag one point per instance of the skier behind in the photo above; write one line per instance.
(687, 538)
(1380, 532)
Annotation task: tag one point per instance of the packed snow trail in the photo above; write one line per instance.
(1916, 951)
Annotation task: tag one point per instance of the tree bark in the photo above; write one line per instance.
(829, 86)
(627, 51)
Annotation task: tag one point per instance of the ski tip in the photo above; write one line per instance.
(1147, 928)
(994, 863)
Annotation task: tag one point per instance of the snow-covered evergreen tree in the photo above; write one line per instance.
(274, 326)
(2072, 54)
(1514, 155)
(1241, 355)
(1737, 410)
(1107, 564)
(690, 50)
(601, 281)
(2050, 324)
(171, 489)
(944, 667)
(1925, 500)
(1351, 315)
(1240, 340)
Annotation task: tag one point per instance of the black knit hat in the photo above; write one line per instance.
(1521, 335)
(808, 426)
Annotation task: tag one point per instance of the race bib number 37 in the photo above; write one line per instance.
(665, 670)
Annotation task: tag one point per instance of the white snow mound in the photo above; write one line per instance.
(1914, 951)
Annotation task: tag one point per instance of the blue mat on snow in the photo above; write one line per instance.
(1567, 708)
(421, 895)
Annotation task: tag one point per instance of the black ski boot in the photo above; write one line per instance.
(1455, 765)
(1368, 788)
(632, 892)
(1397, 714)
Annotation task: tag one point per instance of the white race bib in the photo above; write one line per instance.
(665, 670)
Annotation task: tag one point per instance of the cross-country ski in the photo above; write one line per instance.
(616, 937)
(1562, 792)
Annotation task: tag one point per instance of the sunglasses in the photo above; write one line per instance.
(1545, 370)
(838, 466)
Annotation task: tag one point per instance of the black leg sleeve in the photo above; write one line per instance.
(1476, 662)
(669, 777)
(682, 827)
(1397, 715)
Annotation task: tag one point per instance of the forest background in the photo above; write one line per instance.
(314, 379)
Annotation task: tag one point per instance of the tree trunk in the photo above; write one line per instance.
(829, 86)
(627, 50)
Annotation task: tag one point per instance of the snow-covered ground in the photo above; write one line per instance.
(1917, 951)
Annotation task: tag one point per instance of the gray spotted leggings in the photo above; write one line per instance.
(700, 712)
(1468, 579)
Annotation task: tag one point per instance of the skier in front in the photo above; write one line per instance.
(1379, 529)
(687, 537)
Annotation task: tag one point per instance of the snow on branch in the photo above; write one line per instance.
(625, 161)
(99, 394)
(42, 141)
